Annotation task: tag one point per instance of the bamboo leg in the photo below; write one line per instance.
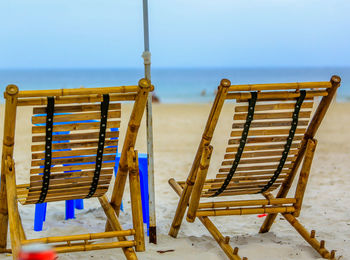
(223, 242)
(7, 150)
(220, 239)
(309, 237)
(136, 204)
(304, 176)
(130, 139)
(206, 138)
(198, 186)
(12, 203)
(115, 225)
(310, 133)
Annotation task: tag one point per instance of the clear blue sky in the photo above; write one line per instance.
(184, 33)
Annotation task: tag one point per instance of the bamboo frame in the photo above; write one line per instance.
(9, 214)
(40, 101)
(206, 138)
(304, 175)
(77, 91)
(199, 183)
(279, 86)
(16, 229)
(310, 133)
(223, 242)
(191, 191)
(10, 95)
(129, 141)
(115, 225)
(136, 204)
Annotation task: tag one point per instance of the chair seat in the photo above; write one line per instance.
(236, 187)
(67, 189)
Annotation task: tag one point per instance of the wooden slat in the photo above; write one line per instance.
(244, 185)
(77, 108)
(276, 95)
(269, 139)
(247, 178)
(75, 117)
(55, 176)
(257, 161)
(267, 132)
(78, 136)
(275, 106)
(71, 168)
(273, 123)
(260, 167)
(255, 154)
(72, 145)
(232, 193)
(67, 195)
(78, 152)
(65, 191)
(83, 159)
(253, 173)
(263, 116)
(69, 183)
(75, 126)
(240, 203)
(278, 99)
(260, 147)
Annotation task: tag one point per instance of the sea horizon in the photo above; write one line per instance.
(172, 85)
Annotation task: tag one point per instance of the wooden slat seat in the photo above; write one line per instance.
(271, 136)
(75, 135)
(70, 184)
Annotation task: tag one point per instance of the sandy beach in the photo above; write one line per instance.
(177, 132)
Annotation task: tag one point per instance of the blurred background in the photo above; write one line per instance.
(64, 44)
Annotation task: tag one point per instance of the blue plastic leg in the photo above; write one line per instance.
(39, 216)
(143, 167)
(79, 204)
(70, 209)
(44, 211)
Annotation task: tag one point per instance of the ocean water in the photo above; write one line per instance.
(171, 85)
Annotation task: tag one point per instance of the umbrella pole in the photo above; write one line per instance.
(147, 61)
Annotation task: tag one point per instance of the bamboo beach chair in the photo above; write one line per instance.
(271, 136)
(82, 170)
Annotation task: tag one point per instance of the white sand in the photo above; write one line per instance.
(177, 131)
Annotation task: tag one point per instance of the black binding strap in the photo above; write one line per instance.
(242, 143)
(101, 144)
(48, 148)
(289, 140)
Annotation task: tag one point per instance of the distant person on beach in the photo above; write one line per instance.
(203, 93)
(155, 98)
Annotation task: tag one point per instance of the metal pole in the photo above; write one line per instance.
(147, 61)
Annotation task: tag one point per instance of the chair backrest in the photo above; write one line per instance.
(269, 134)
(74, 141)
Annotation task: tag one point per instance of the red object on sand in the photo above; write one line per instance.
(262, 215)
(37, 252)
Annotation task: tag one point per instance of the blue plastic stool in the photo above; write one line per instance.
(143, 168)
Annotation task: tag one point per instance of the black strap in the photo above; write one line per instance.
(242, 143)
(48, 148)
(289, 141)
(101, 144)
